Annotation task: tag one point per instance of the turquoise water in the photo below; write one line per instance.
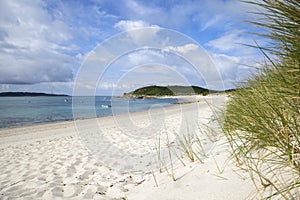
(21, 111)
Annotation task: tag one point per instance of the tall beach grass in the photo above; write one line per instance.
(262, 120)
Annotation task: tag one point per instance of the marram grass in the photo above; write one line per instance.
(263, 125)
(262, 120)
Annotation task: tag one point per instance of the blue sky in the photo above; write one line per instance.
(44, 44)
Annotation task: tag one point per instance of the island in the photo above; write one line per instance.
(158, 91)
(31, 94)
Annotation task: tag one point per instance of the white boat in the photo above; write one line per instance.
(105, 106)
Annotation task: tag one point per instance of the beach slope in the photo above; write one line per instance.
(58, 161)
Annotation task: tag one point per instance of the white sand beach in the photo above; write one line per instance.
(114, 158)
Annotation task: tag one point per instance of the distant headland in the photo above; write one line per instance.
(157, 91)
(30, 94)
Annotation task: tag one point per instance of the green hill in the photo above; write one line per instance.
(168, 91)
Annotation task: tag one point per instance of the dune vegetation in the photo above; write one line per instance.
(262, 120)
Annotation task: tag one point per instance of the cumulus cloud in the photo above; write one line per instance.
(182, 49)
(234, 68)
(172, 56)
(233, 58)
(228, 41)
(136, 32)
(33, 45)
(35, 67)
(126, 25)
(144, 56)
(228, 65)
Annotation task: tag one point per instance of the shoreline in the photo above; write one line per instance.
(36, 130)
(37, 123)
(53, 161)
(19, 130)
(187, 99)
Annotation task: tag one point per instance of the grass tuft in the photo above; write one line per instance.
(262, 120)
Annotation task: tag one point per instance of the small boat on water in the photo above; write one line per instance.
(66, 100)
(140, 97)
(105, 106)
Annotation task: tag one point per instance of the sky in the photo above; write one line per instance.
(105, 47)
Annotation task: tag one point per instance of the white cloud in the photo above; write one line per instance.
(235, 43)
(171, 56)
(211, 22)
(228, 65)
(228, 41)
(187, 48)
(136, 33)
(179, 15)
(234, 69)
(126, 25)
(106, 85)
(80, 56)
(233, 58)
(33, 44)
(143, 57)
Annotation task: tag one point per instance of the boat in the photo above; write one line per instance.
(140, 97)
(105, 106)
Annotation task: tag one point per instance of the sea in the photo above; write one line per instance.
(25, 111)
